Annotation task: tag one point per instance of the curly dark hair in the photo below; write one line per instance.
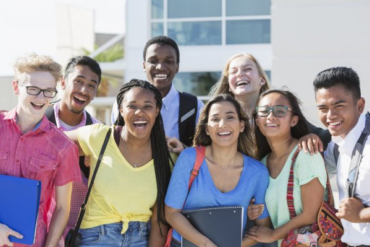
(161, 155)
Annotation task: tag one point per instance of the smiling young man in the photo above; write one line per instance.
(31, 147)
(340, 107)
(180, 111)
(79, 86)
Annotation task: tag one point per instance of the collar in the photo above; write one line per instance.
(169, 97)
(58, 120)
(42, 125)
(348, 143)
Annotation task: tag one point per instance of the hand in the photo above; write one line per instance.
(87, 161)
(254, 210)
(349, 209)
(174, 145)
(261, 234)
(311, 143)
(5, 232)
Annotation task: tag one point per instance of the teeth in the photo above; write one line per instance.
(271, 125)
(242, 83)
(224, 133)
(81, 99)
(40, 105)
(140, 122)
(161, 76)
(334, 124)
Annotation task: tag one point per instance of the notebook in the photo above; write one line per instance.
(20, 205)
(222, 225)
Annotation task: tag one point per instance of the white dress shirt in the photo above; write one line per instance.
(354, 233)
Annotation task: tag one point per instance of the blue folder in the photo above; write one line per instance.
(19, 207)
(222, 225)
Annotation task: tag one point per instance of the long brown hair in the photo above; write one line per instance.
(245, 143)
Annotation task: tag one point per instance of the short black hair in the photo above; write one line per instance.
(162, 40)
(342, 76)
(83, 61)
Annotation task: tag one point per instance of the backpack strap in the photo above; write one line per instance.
(357, 157)
(187, 117)
(200, 153)
(51, 115)
(88, 119)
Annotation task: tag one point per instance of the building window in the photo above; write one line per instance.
(197, 83)
(212, 22)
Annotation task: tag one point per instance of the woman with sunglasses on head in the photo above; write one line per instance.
(227, 176)
(126, 205)
(279, 125)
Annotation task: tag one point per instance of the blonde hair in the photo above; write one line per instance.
(33, 62)
(222, 86)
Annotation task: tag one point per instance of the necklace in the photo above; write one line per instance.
(136, 164)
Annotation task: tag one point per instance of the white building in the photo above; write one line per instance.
(292, 39)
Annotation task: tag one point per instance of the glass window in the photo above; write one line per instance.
(195, 33)
(248, 7)
(197, 83)
(248, 32)
(157, 9)
(194, 8)
(157, 29)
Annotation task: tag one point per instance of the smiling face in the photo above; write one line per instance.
(161, 67)
(338, 110)
(224, 125)
(139, 111)
(272, 126)
(33, 106)
(80, 87)
(244, 77)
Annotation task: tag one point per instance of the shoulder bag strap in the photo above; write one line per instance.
(356, 158)
(289, 194)
(88, 119)
(83, 206)
(50, 114)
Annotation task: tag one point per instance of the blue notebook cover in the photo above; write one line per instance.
(20, 205)
(222, 225)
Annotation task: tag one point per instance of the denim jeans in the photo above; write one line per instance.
(137, 235)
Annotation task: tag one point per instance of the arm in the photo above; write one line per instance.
(185, 229)
(353, 210)
(175, 145)
(60, 215)
(155, 238)
(266, 222)
(311, 205)
(72, 135)
(5, 232)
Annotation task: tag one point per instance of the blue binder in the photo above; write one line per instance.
(20, 206)
(222, 225)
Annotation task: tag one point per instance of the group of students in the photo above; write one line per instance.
(141, 187)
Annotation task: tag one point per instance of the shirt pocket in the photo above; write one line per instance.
(42, 170)
(4, 157)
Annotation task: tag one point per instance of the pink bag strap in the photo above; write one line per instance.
(289, 194)
(200, 153)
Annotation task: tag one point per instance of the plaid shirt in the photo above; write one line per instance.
(43, 154)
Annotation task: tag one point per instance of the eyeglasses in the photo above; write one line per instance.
(32, 90)
(278, 110)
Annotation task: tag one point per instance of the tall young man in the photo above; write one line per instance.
(180, 111)
(32, 147)
(80, 83)
(340, 107)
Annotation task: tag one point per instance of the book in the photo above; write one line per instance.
(222, 225)
(20, 206)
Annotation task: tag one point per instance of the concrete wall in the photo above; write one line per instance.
(7, 98)
(313, 35)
